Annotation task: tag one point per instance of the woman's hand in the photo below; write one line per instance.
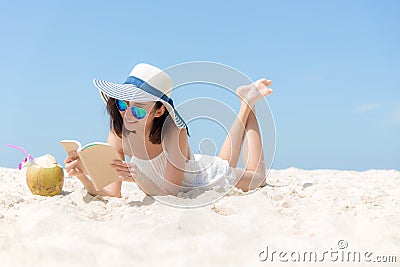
(126, 170)
(71, 164)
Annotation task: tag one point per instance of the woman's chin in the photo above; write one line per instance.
(130, 125)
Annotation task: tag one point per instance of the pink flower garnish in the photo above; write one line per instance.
(25, 161)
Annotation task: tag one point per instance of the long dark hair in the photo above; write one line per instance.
(117, 124)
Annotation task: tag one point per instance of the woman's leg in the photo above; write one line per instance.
(245, 131)
(253, 175)
(230, 150)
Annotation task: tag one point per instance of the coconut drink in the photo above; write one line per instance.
(44, 176)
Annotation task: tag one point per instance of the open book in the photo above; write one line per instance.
(96, 159)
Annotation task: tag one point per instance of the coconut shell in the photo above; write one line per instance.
(45, 181)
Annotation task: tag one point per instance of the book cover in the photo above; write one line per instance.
(96, 159)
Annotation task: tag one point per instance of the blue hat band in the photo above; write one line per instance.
(148, 88)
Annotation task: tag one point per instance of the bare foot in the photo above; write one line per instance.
(252, 93)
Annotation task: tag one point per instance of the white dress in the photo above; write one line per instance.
(207, 172)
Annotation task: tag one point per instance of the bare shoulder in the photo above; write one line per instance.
(176, 140)
(173, 134)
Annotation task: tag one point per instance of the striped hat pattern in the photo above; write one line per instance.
(145, 83)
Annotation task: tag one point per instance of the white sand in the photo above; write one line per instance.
(309, 211)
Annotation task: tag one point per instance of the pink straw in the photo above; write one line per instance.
(28, 156)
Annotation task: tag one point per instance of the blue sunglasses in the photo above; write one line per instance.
(138, 113)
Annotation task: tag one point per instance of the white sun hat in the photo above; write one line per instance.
(145, 83)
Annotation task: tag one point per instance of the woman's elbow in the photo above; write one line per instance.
(115, 194)
(112, 190)
(171, 188)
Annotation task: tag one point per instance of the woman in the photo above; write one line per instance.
(162, 162)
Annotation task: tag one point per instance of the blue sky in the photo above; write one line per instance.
(334, 64)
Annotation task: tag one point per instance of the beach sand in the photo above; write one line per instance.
(300, 212)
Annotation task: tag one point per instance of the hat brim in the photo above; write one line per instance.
(130, 92)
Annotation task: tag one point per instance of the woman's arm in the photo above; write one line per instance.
(177, 146)
(113, 189)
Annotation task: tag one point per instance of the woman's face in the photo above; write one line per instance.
(139, 116)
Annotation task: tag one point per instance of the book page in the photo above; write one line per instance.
(93, 144)
(71, 145)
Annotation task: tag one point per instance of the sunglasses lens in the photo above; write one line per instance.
(139, 113)
(122, 105)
